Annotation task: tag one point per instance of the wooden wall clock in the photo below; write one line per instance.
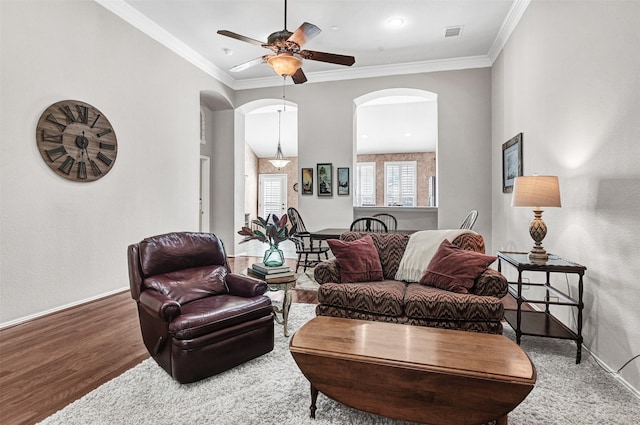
(76, 141)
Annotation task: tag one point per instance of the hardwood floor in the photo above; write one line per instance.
(49, 362)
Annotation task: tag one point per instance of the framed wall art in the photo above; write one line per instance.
(343, 180)
(307, 181)
(325, 179)
(511, 162)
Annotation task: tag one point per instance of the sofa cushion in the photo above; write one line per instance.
(426, 302)
(385, 297)
(358, 260)
(455, 269)
(421, 248)
(390, 248)
(190, 284)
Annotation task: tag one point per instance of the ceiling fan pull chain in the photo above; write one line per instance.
(284, 104)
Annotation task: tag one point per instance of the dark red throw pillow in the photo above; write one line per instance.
(358, 260)
(455, 269)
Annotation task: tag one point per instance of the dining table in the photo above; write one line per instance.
(334, 233)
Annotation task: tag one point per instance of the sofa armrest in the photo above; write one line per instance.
(159, 305)
(245, 286)
(491, 282)
(327, 271)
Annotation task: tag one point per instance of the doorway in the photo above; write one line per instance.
(272, 194)
(204, 193)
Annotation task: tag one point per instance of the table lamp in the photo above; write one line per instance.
(536, 191)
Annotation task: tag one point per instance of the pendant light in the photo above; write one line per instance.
(279, 161)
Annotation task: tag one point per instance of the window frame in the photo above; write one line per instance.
(413, 193)
(357, 187)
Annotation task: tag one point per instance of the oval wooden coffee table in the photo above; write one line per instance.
(413, 373)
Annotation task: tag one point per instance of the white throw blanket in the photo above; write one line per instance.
(420, 249)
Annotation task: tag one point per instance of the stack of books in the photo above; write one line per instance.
(269, 273)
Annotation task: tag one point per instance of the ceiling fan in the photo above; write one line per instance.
(286, 47)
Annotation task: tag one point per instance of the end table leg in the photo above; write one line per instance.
(502, 420)
(579, 351)
(286, 306)
(314, 398)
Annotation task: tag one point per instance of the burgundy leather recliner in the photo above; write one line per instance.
(197, 318)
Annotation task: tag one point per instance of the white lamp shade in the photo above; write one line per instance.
(536, 191)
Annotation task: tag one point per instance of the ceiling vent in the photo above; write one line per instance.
(453, 31)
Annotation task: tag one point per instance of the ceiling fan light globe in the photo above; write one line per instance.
(284, 64)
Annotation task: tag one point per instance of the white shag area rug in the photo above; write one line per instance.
(272, 390)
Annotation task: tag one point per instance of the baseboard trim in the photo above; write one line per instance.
(616, 375)
(61, 308)
(613, 373)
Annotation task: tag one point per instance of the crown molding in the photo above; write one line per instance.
(138, 20)
(374, 71)
(132, 16)
(510, 22)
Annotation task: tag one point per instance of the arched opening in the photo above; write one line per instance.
(216, 126)
(395, 151)
(269, 189)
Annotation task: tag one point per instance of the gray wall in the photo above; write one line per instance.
(64, 242)
(569, 80)
(326, 134)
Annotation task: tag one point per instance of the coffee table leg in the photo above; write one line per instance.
(314, 398)
(502, 420)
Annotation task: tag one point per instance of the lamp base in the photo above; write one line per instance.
(538, 255)
(538, 230)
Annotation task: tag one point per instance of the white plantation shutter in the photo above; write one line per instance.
(273, 196)
(400, 183)
(365, 186)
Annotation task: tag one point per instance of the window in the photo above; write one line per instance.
(273, 194)
(365, 184)
(400, 183)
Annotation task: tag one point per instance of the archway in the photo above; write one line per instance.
(395, 156)
(262, 127)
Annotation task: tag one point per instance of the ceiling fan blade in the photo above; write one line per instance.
(249, 64)
(304, 33)
(240, 37)
(327, 57)
(298, 77)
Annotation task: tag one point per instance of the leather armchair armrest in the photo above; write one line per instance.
(491, 282)
(245, 286)
(158, 305)
(327, 271)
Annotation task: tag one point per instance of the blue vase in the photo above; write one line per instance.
(273, 257)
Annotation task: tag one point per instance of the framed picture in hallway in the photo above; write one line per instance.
(325, 179)
(511, 162)
(343, 180)
(307, 181)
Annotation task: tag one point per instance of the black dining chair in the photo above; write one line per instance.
(389, 220)
(368, 224)
(306, 245)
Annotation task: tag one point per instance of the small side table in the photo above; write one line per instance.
(543, 323)
(281, 284)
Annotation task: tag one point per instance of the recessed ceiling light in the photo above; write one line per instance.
(365, 136)
(395, 22)
(407, 134)
(335, 28)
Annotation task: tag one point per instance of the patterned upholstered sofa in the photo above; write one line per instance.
(394, 301)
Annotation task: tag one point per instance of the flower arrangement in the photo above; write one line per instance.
(275, 230)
